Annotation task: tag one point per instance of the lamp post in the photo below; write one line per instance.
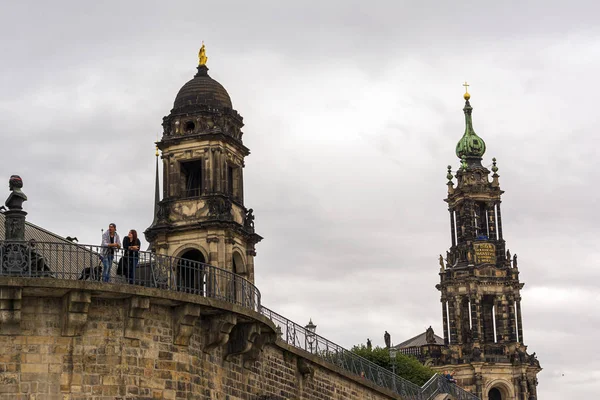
(310, 334)
(393, 351)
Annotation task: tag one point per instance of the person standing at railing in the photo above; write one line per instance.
(110, 243)
(131, 245)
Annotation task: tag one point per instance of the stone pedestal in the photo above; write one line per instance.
(14, 224)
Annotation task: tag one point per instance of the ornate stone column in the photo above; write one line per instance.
(475, 318)
(499, 219)
(479, 385)
(523, 386)
(452, 227)
(452, 324)
(458, 318)
(499, 320)
(511, 319)
(445, 320)
(519, 320)
(505, 319)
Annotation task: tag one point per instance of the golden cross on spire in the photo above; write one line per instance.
(466, 96)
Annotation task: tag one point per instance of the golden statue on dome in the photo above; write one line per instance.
(202, 59)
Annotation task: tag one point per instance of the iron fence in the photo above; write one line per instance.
(87, 262)
(439, 384)
(298, 336)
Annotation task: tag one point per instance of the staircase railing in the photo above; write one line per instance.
(298, 336)
(70, 261)
(439, 384)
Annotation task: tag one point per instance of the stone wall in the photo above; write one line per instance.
(80, 342)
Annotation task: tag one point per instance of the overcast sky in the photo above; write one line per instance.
(352, 112)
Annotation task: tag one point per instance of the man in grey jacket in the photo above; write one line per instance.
(110, 243)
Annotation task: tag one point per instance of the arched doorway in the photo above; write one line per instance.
(239, 267)
(239, 291)
(191, 274)
(494, 394)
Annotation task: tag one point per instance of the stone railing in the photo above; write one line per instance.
(86, 262)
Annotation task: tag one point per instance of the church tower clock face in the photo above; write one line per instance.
(201, 215)
(479, 283)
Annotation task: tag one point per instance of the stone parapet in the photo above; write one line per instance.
(82, 340)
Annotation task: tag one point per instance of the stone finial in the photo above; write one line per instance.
(494, 167)
(450, 184)
(495, 176)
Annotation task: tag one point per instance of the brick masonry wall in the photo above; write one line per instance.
(101, 363)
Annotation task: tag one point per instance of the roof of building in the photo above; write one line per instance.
(35, 232)
(61, 257)
(419, 340)
(202, 90)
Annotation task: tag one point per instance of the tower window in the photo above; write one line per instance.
(234, 181)
(189, 127)
(230, 179)
(192, 177)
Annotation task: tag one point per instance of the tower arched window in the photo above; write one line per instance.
(189, 127)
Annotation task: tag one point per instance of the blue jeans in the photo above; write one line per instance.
(131, 267)
(106, 266)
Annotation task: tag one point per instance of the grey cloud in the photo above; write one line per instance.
(352, 112)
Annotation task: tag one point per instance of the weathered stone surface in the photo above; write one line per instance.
(219, 328)
(184, 319)
(74, 312)
(10, 310)
(104, 363)
(136, 310)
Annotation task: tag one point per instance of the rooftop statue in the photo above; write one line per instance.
(17, 197)
(202, 59)
(429, 335)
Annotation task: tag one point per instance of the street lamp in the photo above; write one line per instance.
(393, 352)
(310, 333)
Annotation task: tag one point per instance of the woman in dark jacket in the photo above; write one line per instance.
(131, 245)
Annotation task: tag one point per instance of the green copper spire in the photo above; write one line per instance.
(470, 145)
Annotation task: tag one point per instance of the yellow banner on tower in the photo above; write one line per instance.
(485, 253)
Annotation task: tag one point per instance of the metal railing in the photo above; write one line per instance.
(439, 384)
(298, 336)
(86, 262)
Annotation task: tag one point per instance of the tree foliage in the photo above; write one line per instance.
(407, 367)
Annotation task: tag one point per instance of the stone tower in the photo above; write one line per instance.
(479, 284)
(202, 216)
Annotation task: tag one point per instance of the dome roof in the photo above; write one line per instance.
(202, 90)
(470, 145)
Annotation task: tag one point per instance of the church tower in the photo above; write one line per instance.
(202, 216)
(479, 284)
